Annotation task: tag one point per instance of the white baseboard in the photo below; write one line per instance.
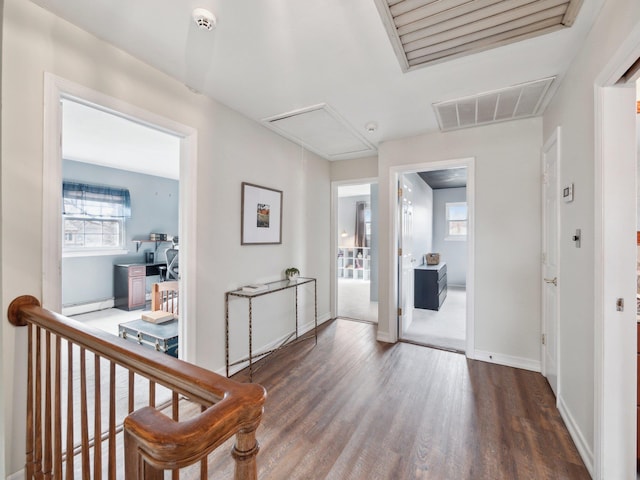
(507, 360)
(69, 310)
(302, 329)
(576, 434)
(19, 475)
(384, 337)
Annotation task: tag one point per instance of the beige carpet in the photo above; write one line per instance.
(445, 328)
(354, 300)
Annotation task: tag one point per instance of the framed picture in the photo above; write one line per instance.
(261, 222)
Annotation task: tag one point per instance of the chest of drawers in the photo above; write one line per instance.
(430, 286)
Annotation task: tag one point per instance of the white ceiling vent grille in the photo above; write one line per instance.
(320, 129)
(428, 31)
(520, 101)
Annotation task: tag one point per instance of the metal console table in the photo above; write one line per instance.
(272, 287)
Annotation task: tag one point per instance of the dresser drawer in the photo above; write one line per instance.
(138, 271)
(442, 283)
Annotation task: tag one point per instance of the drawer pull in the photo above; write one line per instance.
(553, 280)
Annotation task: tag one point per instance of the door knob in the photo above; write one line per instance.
(553, 280)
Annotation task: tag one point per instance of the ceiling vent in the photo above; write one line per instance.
(512, 103)
(321, 130)
(423, 32)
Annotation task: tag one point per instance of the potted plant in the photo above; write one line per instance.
(292, 273)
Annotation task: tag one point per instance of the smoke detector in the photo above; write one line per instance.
(371, 127)
(204, 18)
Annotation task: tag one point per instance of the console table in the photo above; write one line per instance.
(292, 338)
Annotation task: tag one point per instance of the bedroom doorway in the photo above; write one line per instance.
(357, 252)
(435, 254)
(58, 91)
(120, 185)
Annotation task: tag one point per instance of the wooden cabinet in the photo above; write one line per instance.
(430, 286)
(130, 286)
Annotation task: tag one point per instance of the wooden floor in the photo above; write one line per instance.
(354, 408)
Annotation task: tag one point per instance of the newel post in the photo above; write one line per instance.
(135, 468)
(244, 453)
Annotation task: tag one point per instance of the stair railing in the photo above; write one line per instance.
(154, 437)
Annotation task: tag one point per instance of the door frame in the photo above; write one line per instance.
(554, 139)
(334, 235)
(57, 88)
(615, 374)
(394, 175)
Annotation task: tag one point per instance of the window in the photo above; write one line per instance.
(93, 217)
(456, 218)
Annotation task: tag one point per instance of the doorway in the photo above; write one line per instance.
(357, 251)
(57, 90)
(435, 254)
(120, 188)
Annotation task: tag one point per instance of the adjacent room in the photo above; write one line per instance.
(120, 217)
(356, 268)
(434, 230)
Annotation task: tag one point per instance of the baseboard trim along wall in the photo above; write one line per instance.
(576, 434)
(508, 360)
(19, 475)
(384, 337)
(304, 328)
(77, 309)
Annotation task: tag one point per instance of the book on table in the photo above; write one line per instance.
(158, 316)
(255, 288)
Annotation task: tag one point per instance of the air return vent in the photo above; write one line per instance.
(423, 32)
(520, 101)
(320, 129)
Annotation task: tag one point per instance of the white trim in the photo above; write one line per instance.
(92, 253)
(508, 360)
(56, 88)
(77, 309)
(604, 453)
(394, 174)
(385, 337)
(19, 475)
(581, 443)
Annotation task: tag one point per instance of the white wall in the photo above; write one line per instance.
(231, 149)
(453, 252)
(507, 232)
(573, 109)
(354, 169)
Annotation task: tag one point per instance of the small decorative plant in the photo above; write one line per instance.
(292, 272)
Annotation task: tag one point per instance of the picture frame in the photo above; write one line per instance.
(261, 215)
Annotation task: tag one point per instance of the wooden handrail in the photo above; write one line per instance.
(153, 441)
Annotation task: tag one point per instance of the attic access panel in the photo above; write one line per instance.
(423, 32)
(323, 131)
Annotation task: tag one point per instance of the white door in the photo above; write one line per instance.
(550, 328)
(405, 254)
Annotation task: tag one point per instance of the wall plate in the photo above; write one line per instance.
(567, 193)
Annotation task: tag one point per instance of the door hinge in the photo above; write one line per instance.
(400, 252)
(399, 311)
(544, 339)
(399, 192)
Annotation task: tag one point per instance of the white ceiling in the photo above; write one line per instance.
(268, 58)
(93, 136)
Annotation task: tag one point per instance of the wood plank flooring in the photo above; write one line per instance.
(354, 408)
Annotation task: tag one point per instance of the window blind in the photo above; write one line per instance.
(81, 199)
